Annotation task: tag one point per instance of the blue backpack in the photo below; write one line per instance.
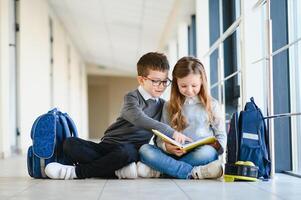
(48, 133)
(248, 139)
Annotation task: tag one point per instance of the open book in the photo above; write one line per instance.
(187, 146)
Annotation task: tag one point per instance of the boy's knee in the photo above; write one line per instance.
(129, 153)
(68, 144)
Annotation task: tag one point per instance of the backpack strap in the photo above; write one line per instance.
(254, 104)
(251, 105)
(53, 111)
(71, 125)
(65, 126)
(265, 139)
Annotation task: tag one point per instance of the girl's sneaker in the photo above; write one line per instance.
(145, 171)
(211, 170)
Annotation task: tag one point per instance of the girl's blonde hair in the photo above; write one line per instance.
(184, 67)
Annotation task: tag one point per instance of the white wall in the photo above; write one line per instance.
(84, 118)
(34, 65)
(69, 86)
(60, 66)
(202, 33)
(182, 38)
(4, 78)
(70, 78)
(172, 55)
(75, 84)
(253, 49)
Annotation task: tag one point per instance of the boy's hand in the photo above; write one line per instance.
(172, 149)
(181, 138)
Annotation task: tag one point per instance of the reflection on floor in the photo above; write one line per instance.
(16, 184)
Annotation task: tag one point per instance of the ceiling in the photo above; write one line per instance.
(111, 35)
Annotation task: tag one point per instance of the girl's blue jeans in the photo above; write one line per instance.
(178, 167)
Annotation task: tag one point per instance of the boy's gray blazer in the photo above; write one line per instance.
(136, 120)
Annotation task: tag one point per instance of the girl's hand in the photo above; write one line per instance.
(172, 149)
(181, 138)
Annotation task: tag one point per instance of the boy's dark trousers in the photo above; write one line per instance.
(99, 159)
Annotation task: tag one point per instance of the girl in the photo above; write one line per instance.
(192, 111)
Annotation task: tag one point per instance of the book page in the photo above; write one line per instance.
(167, 139)
(200, 142)
(187, 146)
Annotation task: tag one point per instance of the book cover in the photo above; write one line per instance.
(187, 146)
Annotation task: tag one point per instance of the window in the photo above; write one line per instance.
(224, 54)
(294, 27)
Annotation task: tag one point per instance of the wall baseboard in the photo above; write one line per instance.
(4, 155)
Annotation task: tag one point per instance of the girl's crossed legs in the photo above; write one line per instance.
(178, 167)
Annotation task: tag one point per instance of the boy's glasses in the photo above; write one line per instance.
(165, 83)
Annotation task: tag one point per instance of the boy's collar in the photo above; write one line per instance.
(146, 96)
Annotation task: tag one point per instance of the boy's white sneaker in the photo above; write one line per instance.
(56, 170)
(128, 172)
(211, 170)
(145, 171)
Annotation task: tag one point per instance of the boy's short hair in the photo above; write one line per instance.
(152, 61)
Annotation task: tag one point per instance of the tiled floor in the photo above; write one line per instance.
(16, 184)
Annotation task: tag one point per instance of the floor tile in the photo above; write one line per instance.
(213, 189)
(142, 189)
(15, 184)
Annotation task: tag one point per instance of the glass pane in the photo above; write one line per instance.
(232, 90)
(294, 24)
(214, 73)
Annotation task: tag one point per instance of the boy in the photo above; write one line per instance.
(119, 147)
